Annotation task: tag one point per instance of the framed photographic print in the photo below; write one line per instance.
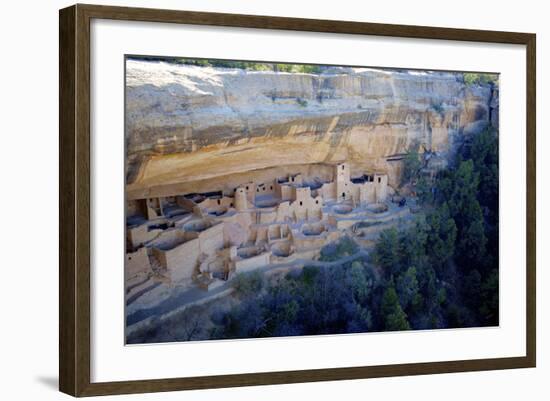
(250, 200)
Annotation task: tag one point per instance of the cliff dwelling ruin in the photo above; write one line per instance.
(205, 239)
(239, 170)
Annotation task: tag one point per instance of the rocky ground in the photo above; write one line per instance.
(159, 301)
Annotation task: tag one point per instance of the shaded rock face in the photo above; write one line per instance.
(188, 126)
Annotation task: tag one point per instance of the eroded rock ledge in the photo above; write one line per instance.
(189, 126)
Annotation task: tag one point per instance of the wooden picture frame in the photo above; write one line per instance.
(74, 203)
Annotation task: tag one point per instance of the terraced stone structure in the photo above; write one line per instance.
(231, 170)
(196, 238)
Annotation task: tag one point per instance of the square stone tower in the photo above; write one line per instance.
(381, 183)
(343, 183)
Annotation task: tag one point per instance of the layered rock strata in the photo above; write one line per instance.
(196, 129)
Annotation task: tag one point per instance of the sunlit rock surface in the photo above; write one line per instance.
(194, 128)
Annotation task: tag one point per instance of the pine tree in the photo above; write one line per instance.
(386, 252)
(441, 236)
(466, 211)
(395, 318)
(408, 289)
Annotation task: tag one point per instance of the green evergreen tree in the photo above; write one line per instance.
(489, 298)
(424, 191)
(412, 245)
(472, 245)
(411, 165)
(484, 155)
(466, 211)
(359, 283)
(394, 317)
(408, 289)
(441, 236)
(386, 252)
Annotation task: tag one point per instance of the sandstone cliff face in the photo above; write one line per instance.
(189, 127)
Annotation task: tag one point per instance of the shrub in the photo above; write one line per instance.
(438, 107)
(243, 65)
(334, 251)
(301, 102)
(411, 165)
(474, 78)
(248, 284)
